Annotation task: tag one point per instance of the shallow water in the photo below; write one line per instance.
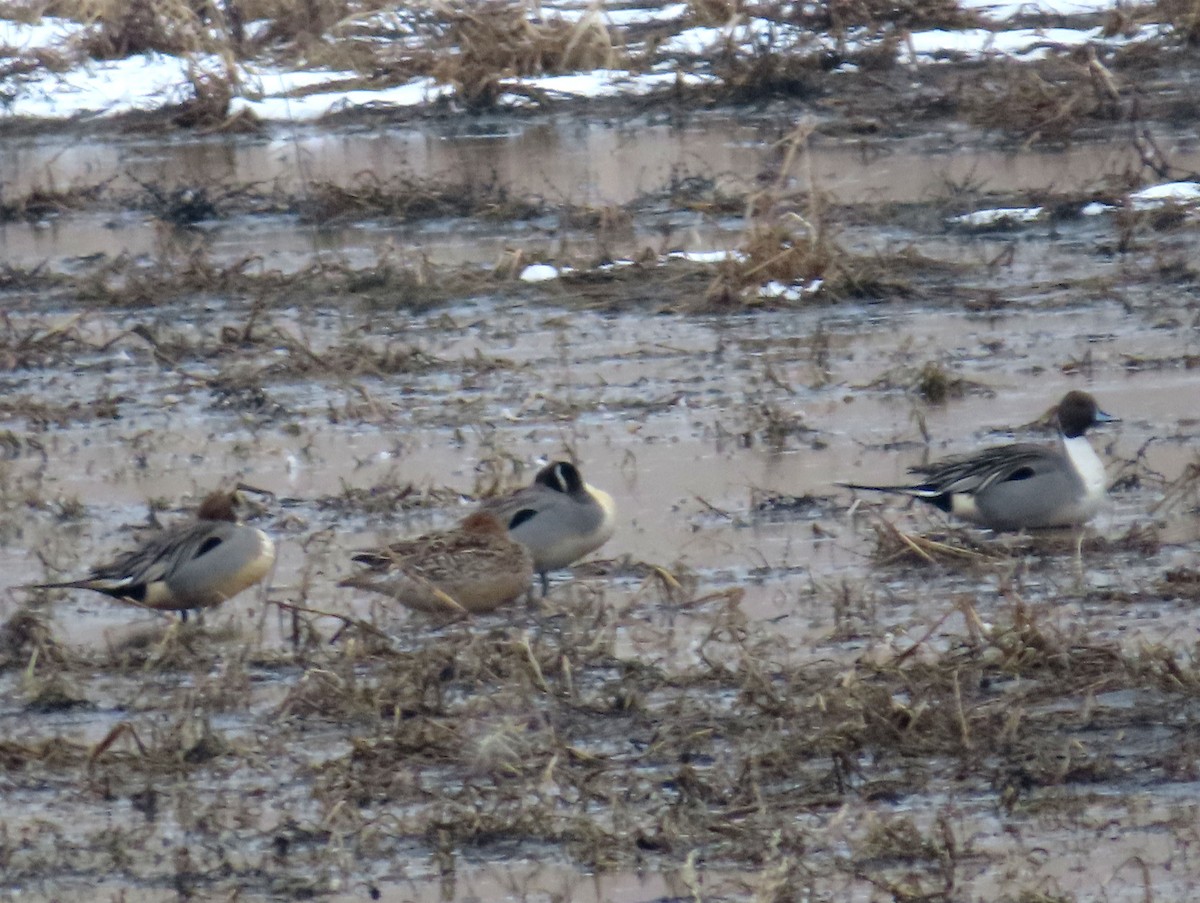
(589, 164)
(580, 161)
(689, 421)
(668, 417)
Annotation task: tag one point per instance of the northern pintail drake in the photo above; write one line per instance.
(474, 567)
(190, 566)
(558, 517)
(1014, 487)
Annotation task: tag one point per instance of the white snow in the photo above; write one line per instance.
(744, 32)
(707, 256)
(49, 32)
(997, 216)
(775, 289)
(1007, 10)
(694, 40)
(601, 83)
(1028, 43)
(314, 106)
(99, 87)
(539, 272)
(153, 80)
(625, 17)
(1177, 193)
(622, 18)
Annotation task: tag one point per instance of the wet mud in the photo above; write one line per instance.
(764, 686)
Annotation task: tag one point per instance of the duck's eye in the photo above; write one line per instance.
(1021, 473)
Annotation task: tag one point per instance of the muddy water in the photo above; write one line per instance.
(581, 163)
(577, 161)
(670, 418)
(673, 415)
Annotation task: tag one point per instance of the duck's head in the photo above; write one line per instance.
(1078, 412)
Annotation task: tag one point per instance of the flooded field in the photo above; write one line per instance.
(764, 686)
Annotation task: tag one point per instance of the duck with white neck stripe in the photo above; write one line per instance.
(1020, 486)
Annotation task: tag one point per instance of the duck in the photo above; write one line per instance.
(1022, 485)
(188, 567)
(558, 517)
(472, 568)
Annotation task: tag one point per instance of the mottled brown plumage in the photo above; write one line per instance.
(474, 567)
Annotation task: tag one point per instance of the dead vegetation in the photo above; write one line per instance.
(387, 499)
(1184, 18)
(117, 30)
(407, 200)
(477, 55)
(186, 271)
(931, 382)
(461, 741)
(1055, 102)
(42, 203)
(489, 43)
(649, 725)
(790, 253)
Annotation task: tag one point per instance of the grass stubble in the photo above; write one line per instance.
(591, 728)
(480, 53)
(375, 748)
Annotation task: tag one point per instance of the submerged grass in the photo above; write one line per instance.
(408, 200)
(659, 728)
(447, 743)
(42, 203)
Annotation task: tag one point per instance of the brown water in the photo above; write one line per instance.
(683, 477)
(665, 412)
(578, 161)
(587, 164)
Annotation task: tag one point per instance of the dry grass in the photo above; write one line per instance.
(408, 200)
(791, 61)
(931, 382)
(387, 499)
(974, 550)
(842, 15)
(1184, 18)
(1050, 103)
(185, 269)
(42, 203)
(791, 240)
(481, 50)
(118, 29)
(302, 27)
(770, 69)
(476, 739)
(27, 343)
(486, 44)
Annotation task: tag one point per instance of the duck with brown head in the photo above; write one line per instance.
(1020, 486)
(193, 565)
(471, 568)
